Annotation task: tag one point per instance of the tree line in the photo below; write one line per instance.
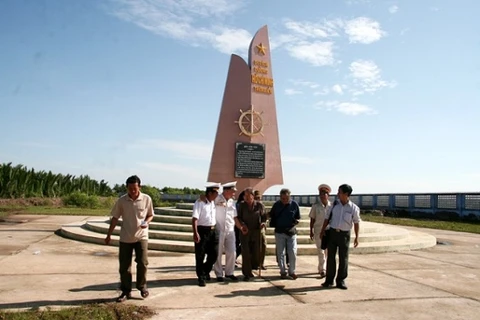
(18, 181)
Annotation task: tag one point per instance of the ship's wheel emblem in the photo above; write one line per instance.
(250, 122)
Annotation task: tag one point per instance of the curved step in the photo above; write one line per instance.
(155, 232)
(415, 240)
(189, 207)
(188, 220)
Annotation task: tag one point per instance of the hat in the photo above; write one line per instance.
(325, 186)
(213, 186)
(230, 186)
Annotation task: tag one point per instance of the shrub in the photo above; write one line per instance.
(154, 193)
(81, 200)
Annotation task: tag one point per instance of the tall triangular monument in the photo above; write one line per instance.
(247, 147)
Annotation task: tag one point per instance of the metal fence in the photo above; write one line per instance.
(461, 204)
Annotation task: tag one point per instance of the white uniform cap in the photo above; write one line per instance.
(213, 185)
(325, 186)
(230, 185)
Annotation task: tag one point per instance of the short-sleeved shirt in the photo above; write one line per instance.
(205, 213)
(252, 217)
(318, 212)
(344, 216)
(133, 213)
(225, 212)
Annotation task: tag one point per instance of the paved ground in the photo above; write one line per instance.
(39, 268)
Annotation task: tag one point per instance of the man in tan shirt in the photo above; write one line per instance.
(136, 210)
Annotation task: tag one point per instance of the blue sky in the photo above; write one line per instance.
(383, 95)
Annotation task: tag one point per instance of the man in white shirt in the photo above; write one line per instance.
(225, 212)
(136, 210)
(317, 217)
(345, 215)
(204, 234)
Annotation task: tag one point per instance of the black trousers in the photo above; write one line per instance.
(250, 251)
(125, 259)
(208, 245)
(341, 241)
(238, 245)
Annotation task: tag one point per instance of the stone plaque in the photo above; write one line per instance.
(250, 160)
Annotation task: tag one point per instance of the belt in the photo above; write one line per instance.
(207, 227)
(340, 230)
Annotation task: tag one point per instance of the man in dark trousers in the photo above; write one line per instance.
(344, 215)
(251, 218)
(204, 235)
(136, 210)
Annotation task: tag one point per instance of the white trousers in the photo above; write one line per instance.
(322, 262)
(226, 243)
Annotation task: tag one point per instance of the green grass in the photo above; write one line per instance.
(6, 210)
(68, 211)
(472, 227)
(86, 312)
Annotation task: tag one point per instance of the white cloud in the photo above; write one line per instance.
(363, 30)
(305, 83)
(185, 20)
(299, 160)
(316, 53)
(337, 89)
(350, 2)
(393, 9)
(197, 150)
(314, 30)
(291, 92)
(324, 91)
(40, 145)
(367, 77)
(404, 31)
(347, 108)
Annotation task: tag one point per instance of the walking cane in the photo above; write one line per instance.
(260, 258)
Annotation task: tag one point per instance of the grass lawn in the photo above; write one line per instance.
(472, 227)
(69, 211)
(113, 311)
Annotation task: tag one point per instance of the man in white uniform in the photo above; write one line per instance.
(225, 213)
(317, 217)
(204, 233)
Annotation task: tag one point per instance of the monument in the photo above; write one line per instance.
(247, 147)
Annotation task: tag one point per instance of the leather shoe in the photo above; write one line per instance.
(220, 279)
(201, 283)
(232, 277)
(124, 296)
(293, 276)
(207, 277)
(342, 286)
(326, 284)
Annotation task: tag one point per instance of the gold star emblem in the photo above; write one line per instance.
(261, 49)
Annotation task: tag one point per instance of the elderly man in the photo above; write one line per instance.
(204, 235)
(251, 218)
(343, 215)
(317, 217)
(284, 216)
(136, 210)
(225, 216)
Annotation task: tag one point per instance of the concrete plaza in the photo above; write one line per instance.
(39, 268)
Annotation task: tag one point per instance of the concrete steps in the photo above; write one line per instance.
(171, 231)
